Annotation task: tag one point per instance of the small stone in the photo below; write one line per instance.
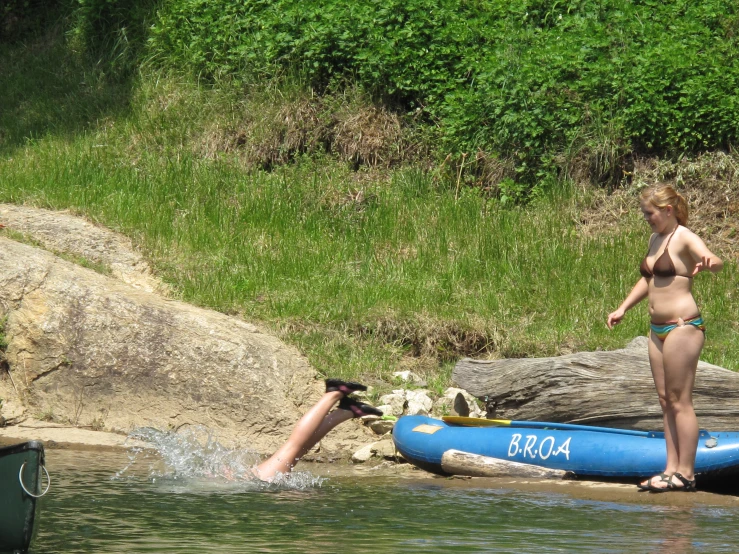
(382, 426)
(396, 403)
(387, 409)
(472, 403)
(384, 449)
(409, 377)
(416, 408)
(442, 406)
(460, 406)
(363, 454)
(418, 403)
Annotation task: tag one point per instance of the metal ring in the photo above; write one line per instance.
(48, 482)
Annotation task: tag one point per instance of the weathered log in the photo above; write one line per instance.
(613, 388)
(457, 462)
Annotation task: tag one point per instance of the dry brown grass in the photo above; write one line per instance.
(709, 182)
(369, 135)
(479, 169)
(270, 129)
(426, 337)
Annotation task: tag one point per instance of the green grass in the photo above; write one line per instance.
(365, 272)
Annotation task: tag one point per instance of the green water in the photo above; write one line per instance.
(98, 503)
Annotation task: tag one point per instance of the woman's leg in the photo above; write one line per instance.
(680, 353)
(310, 429)
(658, 374)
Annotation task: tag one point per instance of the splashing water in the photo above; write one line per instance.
(195, 455)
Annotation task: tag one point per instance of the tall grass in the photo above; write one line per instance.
(365, 272)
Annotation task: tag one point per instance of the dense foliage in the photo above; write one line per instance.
(524, 79)
(115, 31)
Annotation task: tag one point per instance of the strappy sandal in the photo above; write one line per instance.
(688, 486)
(346, 387)
(663, 477)
(358, 409)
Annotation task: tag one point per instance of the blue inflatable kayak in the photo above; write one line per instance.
(603, 452)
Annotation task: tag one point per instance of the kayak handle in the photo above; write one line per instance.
(48, 481)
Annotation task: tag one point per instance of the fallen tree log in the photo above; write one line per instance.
(457, 462)
(613, 388)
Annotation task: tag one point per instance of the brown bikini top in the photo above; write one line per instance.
(663, 266)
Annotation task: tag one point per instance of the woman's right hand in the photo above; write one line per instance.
(614, 318)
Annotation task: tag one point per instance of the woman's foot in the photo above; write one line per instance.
(676, 482)
(653, 481)
(345, 387)
(679, 483)
(358, 409)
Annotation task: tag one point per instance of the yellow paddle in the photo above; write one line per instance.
(482, 422)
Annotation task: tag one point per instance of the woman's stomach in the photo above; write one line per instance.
(671, 298)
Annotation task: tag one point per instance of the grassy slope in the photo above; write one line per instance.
(365, 272)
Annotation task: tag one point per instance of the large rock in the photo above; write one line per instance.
(65, 233)
(89, 349)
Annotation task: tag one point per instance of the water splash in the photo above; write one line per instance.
(194, 455)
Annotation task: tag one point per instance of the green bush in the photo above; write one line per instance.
(115, 31)
(524, 80)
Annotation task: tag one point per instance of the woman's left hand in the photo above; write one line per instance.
(704, 264)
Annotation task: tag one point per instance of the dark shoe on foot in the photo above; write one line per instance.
(357, 408)
(663, 478)
(347, 387)
(687, 485)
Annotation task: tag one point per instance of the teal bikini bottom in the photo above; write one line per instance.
(663, 329)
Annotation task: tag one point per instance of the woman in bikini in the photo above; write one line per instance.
(314, 425)
(674, 256)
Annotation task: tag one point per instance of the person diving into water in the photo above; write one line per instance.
(314, 425)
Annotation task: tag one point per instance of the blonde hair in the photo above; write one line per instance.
(661, 196)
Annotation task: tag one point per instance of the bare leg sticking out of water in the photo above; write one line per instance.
(314, 425)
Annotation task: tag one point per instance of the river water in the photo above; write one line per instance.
(191, 497)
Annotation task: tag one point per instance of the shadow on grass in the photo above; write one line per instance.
(49, 89)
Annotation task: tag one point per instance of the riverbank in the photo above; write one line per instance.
(111, 450)
(59, 436)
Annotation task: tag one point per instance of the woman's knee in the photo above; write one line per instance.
(663, 402)
(676, 402)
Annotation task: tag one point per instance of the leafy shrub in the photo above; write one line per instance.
(115, 31)
(520, 79)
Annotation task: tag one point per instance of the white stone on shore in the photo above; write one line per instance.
(363, 454)
(409, 377)
(474, 409)
(418, 402)
(393, 404)
(384, 448)
(382, 426)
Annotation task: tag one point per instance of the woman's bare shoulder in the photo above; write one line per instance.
(689, 240)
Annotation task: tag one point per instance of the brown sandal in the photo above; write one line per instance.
(688, 486)
(663, 477)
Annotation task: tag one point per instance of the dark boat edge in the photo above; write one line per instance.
(35, 449)
(22, 447)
